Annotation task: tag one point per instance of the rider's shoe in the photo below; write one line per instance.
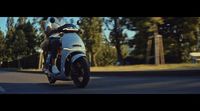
(55, 69)
(45, 70)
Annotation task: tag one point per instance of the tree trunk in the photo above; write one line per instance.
(179, 53)
(88, 54)
(148, 50)
(179, 50)
(92, 59)
(117, 44)
(119, 54)
(18, 62)
(162, 55)
(157, 51)
(198, 39)
(95, 54)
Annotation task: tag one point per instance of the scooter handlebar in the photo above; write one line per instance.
(67, 28)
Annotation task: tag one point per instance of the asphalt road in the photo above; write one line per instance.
(36, 83)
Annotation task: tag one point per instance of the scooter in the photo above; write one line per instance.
(71, 61)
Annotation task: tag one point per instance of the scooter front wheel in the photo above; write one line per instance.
(80, 72)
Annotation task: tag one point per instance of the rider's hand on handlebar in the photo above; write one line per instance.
(61, 34)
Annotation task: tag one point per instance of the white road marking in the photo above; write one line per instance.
(2, 89)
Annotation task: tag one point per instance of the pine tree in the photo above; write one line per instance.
(117, 38)
(9, 39)
(2, 46)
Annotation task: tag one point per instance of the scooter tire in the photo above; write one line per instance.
(85, 73)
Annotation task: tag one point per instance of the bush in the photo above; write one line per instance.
(31, 61)
(131, 60)
(107, 55)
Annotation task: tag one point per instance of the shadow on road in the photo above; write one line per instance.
(32, 88)
(174, 73)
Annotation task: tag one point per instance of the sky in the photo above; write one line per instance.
(4, 29)
(4, 19)
(3, 24)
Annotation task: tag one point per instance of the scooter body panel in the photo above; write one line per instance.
(71, 42)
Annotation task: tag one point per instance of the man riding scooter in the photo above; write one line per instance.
(54, 40)
(66, 59)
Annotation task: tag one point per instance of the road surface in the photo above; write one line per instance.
(36, 83)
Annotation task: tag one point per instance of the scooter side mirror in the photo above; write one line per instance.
(52, 20)
(78, 22)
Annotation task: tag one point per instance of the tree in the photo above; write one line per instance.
(9, 39)
(107, 54)
(31, 36)
(21, 38)
(116, 36)
(2, 46)
(41, 30)
(92, 36)
(10, 23)
(146, 27)
(180, 36)
(21, 20)
(19, 44)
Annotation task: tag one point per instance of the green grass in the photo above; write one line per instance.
(143, 67)
(147, 67)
